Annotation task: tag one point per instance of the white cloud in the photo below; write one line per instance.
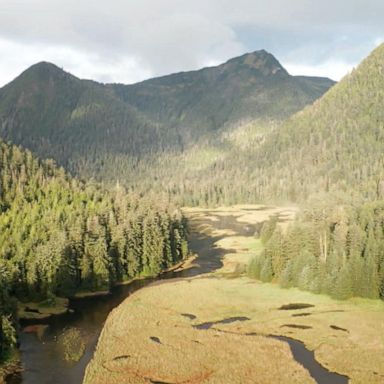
(335, 70)
(16, 57)
(378, 41)
(127, 41)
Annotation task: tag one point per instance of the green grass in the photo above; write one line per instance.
(42, 310)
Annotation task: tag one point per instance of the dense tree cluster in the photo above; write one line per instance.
(331, 248)
(7, 306)
(58, 235)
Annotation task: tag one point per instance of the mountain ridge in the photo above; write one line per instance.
(333, 147)
(88, 127)
(43, 64)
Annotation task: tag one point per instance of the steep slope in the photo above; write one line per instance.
(94, 129)
(336, 144)
(331, 156)
(59, 116)
(252, 86)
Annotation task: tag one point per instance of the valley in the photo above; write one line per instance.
(148, 136)
(221, 225)
(42, 356)
(215, 327)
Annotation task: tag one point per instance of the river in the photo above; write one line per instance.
(42, 360)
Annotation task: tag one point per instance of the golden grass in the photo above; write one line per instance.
(242, 250)
(10, 368)
(156, 311)
(180, 353)
(244, 213)
(286, 215)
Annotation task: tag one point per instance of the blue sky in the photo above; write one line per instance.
(131, 40)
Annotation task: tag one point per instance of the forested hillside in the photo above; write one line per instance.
(111, 131)
(198, 103)
(58, 235)
(331, 155)
(158, 136)
(335, 145)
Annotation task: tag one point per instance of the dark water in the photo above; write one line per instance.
(228, 320)
(42, 361)
(307, 359)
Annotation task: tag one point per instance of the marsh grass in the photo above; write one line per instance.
(226, 353)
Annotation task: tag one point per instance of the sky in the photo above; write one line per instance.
(128, 41)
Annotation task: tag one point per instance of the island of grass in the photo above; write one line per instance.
(42, 310)
(71, 344)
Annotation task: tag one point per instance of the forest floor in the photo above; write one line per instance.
(214, 328)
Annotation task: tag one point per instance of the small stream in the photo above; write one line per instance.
(43, 363)
(307, 359)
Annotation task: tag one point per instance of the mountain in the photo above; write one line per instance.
(96, 130)
(335, 145)
(330, 157)
(59, 116)
(252, 86)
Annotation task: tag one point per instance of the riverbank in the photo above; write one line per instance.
(214, 328)
(44, 345)
(11, 367)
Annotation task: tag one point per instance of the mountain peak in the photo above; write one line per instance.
(44, 71)
(45, 67)
(261, 61)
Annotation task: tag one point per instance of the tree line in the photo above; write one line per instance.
(337, 249)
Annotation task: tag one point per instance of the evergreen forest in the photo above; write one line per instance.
(59, 235)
